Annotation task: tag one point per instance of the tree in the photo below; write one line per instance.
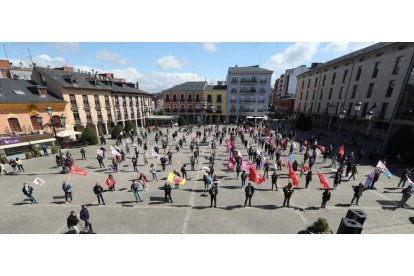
(182, 121)
(116, 131)
(90, 136)
(129, 125)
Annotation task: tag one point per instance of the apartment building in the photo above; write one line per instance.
(364, 86)
(216, 96)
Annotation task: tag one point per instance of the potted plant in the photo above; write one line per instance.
(54, 149)
(28, 154)
(36, 152)
(320, 226)
(4, 159)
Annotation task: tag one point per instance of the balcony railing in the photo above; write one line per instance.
(175, 110)
(167, 110)
(182, 110)
(232, 110)
(262, 81)
(261, 101)
(167, 100)
(233, 81)
(189, 110)
(248, 81)
(233, 101)
(262, 91)
(219, 111)
(247, 101)
(233, 91)
(248, 91)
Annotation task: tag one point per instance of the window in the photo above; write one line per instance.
(349, 109)
(340, 92)
(309, 82)
(324, 79)
(316, 82)
(189, 98)
(99, 115)
(376, 69)
(85, 100)
(370, 88)
(76, 116)
(209, 98)
(345, 74)
(35, 123)
(338, 105)
(167, 98)
(116, 100)
(97, 104)
(175, 98)
(390, 88)
(123, 101)
(219, 98)
(330, 93)
(125, 113)
(359, 72)
(398, 65)
(107, 101)
(197, 97)
(307, 93)
(320, 95)
(354, 91)
(319, 107)
(190, 107)
(301, 94)
(130, 101)
(182, 98)
(304, 108)
(311, 107)
(333, 78)
(303, 83)
(14, 125)
(383, 110)
(56, 121)
(88, 116)
(364, 109)
(299, 107)
(313, 95)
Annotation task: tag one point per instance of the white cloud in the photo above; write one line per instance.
(336, 47)
(169, 62)
(293, 56)
(65, 46)
(111, 57)
(210, 47)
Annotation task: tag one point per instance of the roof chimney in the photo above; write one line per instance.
(137, 85)
(236, 65)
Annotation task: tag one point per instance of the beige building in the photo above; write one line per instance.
(368, 81)
(93, 98)
(216, 97)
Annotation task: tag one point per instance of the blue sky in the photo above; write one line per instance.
(158, 66)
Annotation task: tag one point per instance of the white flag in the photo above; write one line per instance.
(100, 152)
(318, 151)
(39, 181)
(114, 151)
(154, 153)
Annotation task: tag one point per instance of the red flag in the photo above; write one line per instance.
(254, 176)
(341, 150)
(293, 175)
(321, 148)
(323, 180)
(110, 182)
(283, 164)
(231, 164)
(76, 170)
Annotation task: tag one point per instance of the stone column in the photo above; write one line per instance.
(330, 123)
(106, 128)
(96, 128)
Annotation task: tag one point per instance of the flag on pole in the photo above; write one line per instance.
(283, 164)
(114, 151)
(246, 165)
(341, 150)
(321, 148)
(383, 169)
(173, 178)
(291, 158)
(109, 182)
(369, 180)
(410, 182)
(254, 176)
(323, 181)
(293, 175)
(154, 153)
(76, 170)
(231, 164)
(100, 152)
(38, 181)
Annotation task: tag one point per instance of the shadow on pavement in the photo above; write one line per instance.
(266, 207)
(343, 205)
(392, 189)
(264, 190)
(204, 195)
(231, 207)
(388, 203)
(21, 203)
(200, 207)
(181, 206)
(312, 208)
(194, 190)
(101, 170)
(230, 187)
(411, 219)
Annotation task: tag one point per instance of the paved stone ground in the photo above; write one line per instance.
(190, 212)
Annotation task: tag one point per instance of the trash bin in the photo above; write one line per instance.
(357, 215)
(349, 226)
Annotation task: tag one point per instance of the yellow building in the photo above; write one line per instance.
(216, 97)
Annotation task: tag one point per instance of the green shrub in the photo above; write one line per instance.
(182, 121)
(4, 159)
(36, 152)
(54, 149)
(129, 125)
(28, 154)
(116, 131)
(90, 136)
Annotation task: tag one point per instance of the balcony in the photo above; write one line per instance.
(167, 100)
(167, 110)
(233, 101)
(262, 91)
(261, 101)
(233, 91)
(174, 100)
(248, 91)
(232, 110)
(175, 110)
(248, 100)
(234, 81)
(262, 81)
(190, 110)
(219, 111)
(248, 82)
(182, 110)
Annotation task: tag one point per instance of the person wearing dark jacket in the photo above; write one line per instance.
(358, 190)
(167, 192)
(67, 189)
(72, 222)
(249, 194)
(308, 178)
(274, 179)
(407, 192)
(353, 171)
(326, 196)
(213, 191)
(287, 191)
(84, 215)
(97, 189)
(28, 191)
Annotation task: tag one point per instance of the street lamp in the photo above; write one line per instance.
(52, 124)
(204, 112)
(341, 117)
(369, 114)
(358, 106)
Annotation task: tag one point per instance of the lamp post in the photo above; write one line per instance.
(358, 106)
(341, 118)
(204, 113)
(368, 117)
(52, 124)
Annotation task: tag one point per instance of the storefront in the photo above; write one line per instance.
(19, 146)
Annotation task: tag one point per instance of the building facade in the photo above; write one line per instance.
(186, 100)
(248, 90)
(21, 102)
(365, 81)
(216, 96)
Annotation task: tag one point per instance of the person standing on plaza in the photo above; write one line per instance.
(2, 169)
(266, 167)
(44, 148)
(67, 188)
(358, 190)
(135, 190)
(326, 196)
(192, 162)
(84, 215)
(83, 153)
(110, 182)
(135, 163)
(184, 171)
(28, 191)
(287, 191)
(249, 191)
(243, 177)
(19, 164)
(167, 192)
(377, 173)
(353, 171)
(337, 178)
(100, 160)
(308, 178)
(407, 192)
(274, 179)
(115, 164)
(97, 189)
(145, 157)
(72, 222)
(13, 164)
(153, 171)
(403, 178)
(213, 191)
